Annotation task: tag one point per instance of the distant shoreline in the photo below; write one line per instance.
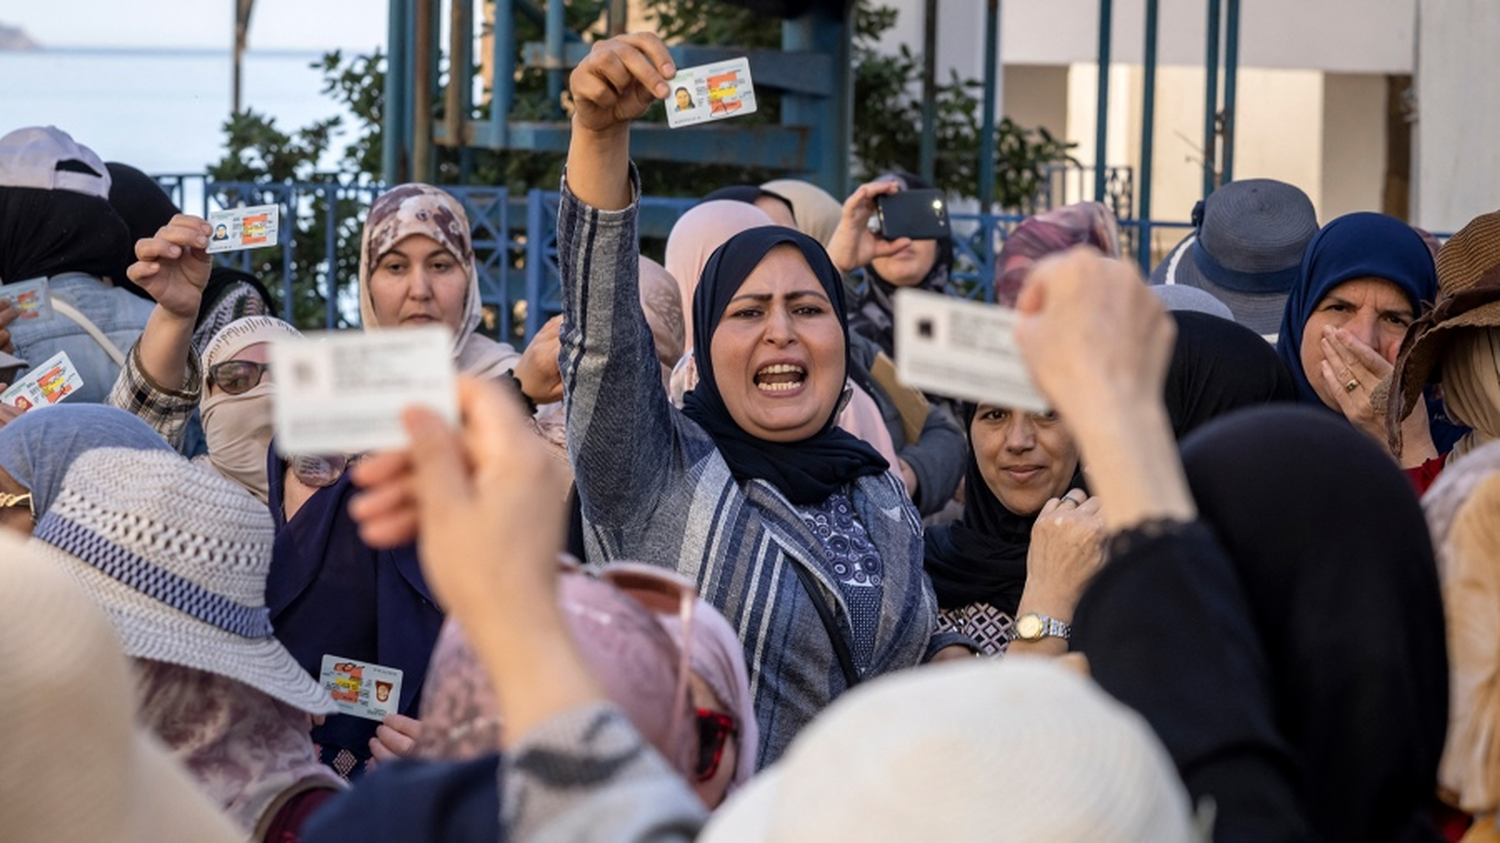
(173, 51)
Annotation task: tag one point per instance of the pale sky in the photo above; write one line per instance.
(313, 25)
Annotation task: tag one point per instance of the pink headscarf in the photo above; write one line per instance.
(625, 649)
(1053, 231)
(696, 235)
(719, 657)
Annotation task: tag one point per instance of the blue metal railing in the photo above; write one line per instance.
(515, 243)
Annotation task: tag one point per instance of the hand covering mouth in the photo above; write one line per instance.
(780, 377)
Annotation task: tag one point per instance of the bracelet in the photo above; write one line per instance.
(521, 391)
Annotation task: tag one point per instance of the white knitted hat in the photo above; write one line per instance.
(178, 558)
(74, 766)
(1023, 749)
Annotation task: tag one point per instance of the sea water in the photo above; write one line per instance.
(162, 111)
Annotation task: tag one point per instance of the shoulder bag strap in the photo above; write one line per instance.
(840, 644)
(88, 325)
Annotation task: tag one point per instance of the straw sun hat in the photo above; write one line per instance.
(1468, 274)
(74, 767)
(178, 558)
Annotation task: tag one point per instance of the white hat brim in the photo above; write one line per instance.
(150, 629)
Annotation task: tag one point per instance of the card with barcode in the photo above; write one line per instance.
(344, 392)
(962, 349)
(44, 385)
(243, 228)
(710, 92)
(31, 299)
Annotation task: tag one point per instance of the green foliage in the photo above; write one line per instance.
(887, 135)
(263, 159)
(888, 123)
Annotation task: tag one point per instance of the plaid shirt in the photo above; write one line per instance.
(166, 410)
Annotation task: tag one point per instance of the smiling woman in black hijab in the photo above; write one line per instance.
(792, 529)
(1026, 512)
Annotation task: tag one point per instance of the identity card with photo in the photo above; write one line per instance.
(44, 385)
(962, 349)
(360, 688)
(710, 92)
(344, 392)
(243, 228)
(31, 299)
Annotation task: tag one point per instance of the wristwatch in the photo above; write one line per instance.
(1034, 627)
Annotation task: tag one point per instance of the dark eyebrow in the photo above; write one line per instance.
(795, 294)
(401, 253)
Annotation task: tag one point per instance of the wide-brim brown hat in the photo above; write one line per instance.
(1468, 272)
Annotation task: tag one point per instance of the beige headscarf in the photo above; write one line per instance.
(1471, 386)
(816, 211)
(423, 209)
(238, 428)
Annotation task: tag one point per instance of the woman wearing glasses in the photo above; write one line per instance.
(329, 593)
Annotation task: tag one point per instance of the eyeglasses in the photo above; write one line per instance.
(663, 592)
(236, 377)
(715, 728)
(10, 500)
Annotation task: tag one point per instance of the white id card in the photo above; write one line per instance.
(360, 688)
(710, 92)
(962, 349)
(243, 228)
(343, 393)
(31, 299)
(44, 385)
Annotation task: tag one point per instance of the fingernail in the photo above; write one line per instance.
(662, 89)
(668, 70)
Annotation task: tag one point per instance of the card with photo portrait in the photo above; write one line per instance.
(710, 92)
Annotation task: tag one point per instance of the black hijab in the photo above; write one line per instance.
(1219, 366)
(49, 232)
(144, 207)
(1332, 551)
(981, 558)
(806, 472)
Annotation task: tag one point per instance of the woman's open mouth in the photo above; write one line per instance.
(780, 377)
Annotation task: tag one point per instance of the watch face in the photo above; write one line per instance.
(1029, 627)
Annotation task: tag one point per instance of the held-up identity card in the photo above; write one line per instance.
(962, 349)
(31, 299)
(360, 688)
(243, 228)
(343, 393)
(44, 385)
(710, 92)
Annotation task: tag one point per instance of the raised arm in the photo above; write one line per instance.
(161, 381)
(620, 425)
(615, 84)
(173, 267)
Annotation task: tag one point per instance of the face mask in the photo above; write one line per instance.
(238, 429)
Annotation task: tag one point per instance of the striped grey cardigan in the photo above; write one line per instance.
(654, 488)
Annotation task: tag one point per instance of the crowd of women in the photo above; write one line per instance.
(1239, 583)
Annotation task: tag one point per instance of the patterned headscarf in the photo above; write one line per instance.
(1053, 231)
(413, 209)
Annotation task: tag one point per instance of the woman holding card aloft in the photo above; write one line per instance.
(793, 529)
(328, 592)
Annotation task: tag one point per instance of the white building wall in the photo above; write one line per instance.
(1456, 167)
